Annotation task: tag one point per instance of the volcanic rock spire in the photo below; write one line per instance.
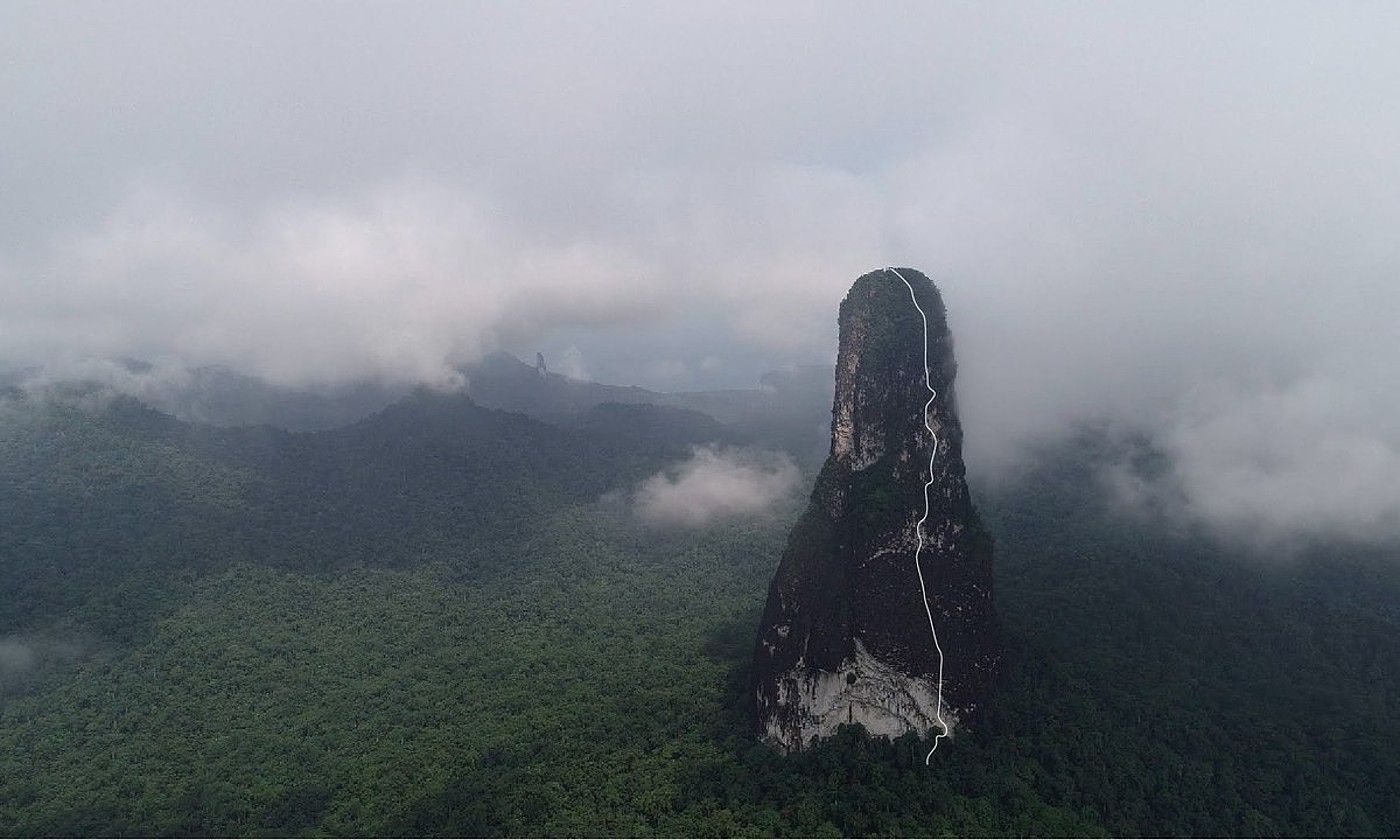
(845, 636)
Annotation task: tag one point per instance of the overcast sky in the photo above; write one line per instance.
(1186, 216)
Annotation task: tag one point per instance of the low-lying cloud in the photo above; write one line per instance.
(1126, 206)
(1270, 465)
(715, 484)
(399, 284)
(21, 656)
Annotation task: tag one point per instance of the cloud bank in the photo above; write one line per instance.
(715, 484)
(1269, 465)
(1174, 218)
(20, 656)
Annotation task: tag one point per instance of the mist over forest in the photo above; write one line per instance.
(406, 408)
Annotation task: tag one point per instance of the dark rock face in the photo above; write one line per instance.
(845, 637)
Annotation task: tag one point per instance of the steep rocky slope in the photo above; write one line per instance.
(845, 635)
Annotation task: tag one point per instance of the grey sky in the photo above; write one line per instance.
(1182, 216)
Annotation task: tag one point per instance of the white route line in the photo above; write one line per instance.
(919, 528)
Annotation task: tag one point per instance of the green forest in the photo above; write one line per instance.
(441, 620)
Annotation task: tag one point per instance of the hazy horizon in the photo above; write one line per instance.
(1175, 219)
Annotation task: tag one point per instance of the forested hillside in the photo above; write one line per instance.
(441, 620)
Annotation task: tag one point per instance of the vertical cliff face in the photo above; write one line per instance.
(845, 637)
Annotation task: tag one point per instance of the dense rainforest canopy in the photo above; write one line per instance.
(443, 620)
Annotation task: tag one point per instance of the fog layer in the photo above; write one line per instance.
(1175, 218)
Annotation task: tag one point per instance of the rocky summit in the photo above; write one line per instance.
(845, 636)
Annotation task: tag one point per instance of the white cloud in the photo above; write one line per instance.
(1275, 463)
(1120, 203)
(401, 284)
(572, 365)
(715, 484)
(20, 655)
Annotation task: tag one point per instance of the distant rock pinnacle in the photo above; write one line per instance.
(844, 636)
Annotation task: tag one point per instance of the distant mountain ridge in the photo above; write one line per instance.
(789, 410)
(424, 624)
